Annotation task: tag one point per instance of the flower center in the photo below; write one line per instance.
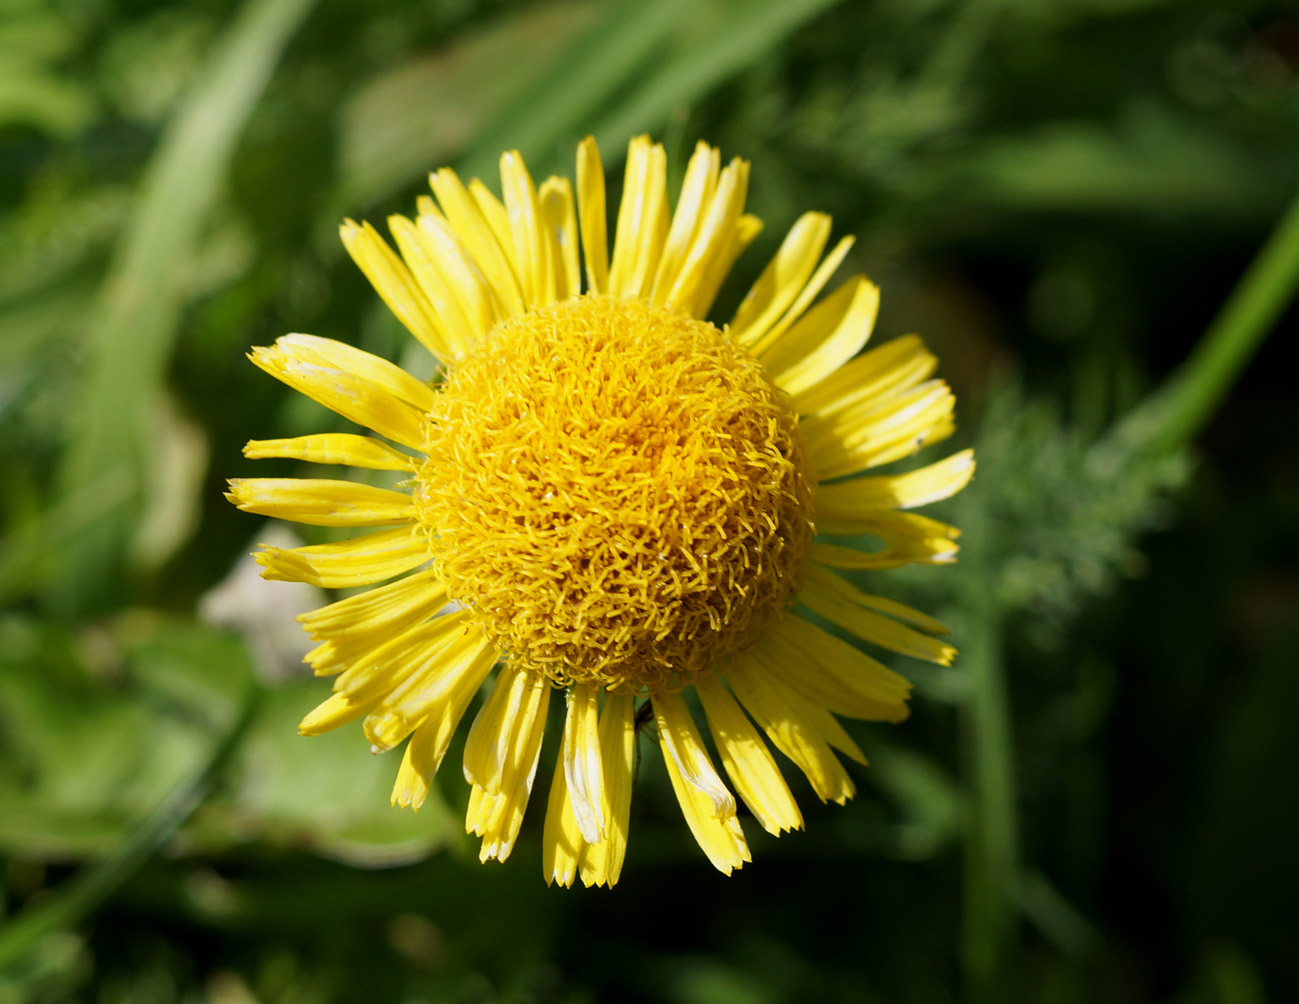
(617, 492)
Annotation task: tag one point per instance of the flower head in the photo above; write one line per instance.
(610, 496)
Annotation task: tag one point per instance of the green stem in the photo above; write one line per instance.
(77, 898)
(991, 846)
(1180, 408)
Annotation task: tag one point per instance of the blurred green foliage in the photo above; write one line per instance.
(1093, 804)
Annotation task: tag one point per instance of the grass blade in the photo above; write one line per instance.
(137, 312)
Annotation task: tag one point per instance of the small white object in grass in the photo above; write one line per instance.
(265, 612)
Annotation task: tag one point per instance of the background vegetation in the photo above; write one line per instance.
(1097, 803)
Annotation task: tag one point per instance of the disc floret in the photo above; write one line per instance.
(617, 492)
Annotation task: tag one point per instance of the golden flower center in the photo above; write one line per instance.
(617, 491)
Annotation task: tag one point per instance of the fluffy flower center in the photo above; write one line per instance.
(617, 492)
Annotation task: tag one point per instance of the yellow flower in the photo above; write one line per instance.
(610, 496)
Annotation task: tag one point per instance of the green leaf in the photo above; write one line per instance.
(425, 112)
(715, 42)
(140, 301)
(85, 756)
(326, 793)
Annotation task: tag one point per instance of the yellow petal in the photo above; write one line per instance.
(805, 296)
(835, 556)
(855, 439)
(882, 604)
(893, 366)
(428, 745)
(709, 255)
(834, 674)
(394, 283)
(531, 250)
(478, 302)
(781, 281)
(479, 811)
(498, 219)
(336, 710)
(591, 214)
(823, 595)
(561, 840)
(815, 715)
(424, 261)
(909, 537)
(682, 745)
(386, 666)
(601, 863)
(353, 649)
(791, 731)
(642, 220)
(740, 235)
(406, 601)
(696, 192)
(333, 448)
(496, 818)
(580, 754)
(412, 786)
(718, 833)
(475, 233)
(458, 669)
(824, 338)
(838, 504)
(505, 738)
(560, 224)
(360, 561)
(362, 388)
(378, 371)
(747, 760)
(320, 502)
(827, 725)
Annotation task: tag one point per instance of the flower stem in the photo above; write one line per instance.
(1186, 401)
(992, 842)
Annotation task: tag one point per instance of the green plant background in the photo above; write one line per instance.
(1084, 205)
